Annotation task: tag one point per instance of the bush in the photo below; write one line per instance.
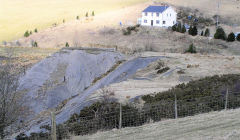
(202, 33)
(183, 29)
(231, 37)
(93, 13)
(179, 27)
(67, 45)
(207, 33)
(238, 37)
(35, 30)
(191, 49)
(129, 29)
(77, 17)
(86, 15)
(26, 34)
(190, 30)
(30, 32)
(163, 70)
(220, 34)
(194, 31)
(174, 27)
(34, 44)
(63, 20)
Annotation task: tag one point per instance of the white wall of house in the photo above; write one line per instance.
(165, 19)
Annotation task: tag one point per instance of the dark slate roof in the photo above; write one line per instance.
(158, 9)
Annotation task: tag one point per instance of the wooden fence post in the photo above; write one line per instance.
(120, 116)
(53, 130)
(226, 100)
(175, 106)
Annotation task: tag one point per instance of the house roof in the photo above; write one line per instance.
(158, 9)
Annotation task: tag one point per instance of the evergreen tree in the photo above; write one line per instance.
(77, 17)
(35, 44)
(179, 27)
(86, 15)
(238, 37)
(231, 37)
(220, 34)
(207, 33)
(190, 30)
(202, 33)
(26, 34)
(35, 30)
(93, 14)
(194, 31)
(183, 29)
(191, 49)
(66, 45)
(174, 27)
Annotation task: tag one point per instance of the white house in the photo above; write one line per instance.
(160, 16)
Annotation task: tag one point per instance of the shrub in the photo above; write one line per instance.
(194, 31)
(238, 37)
(86, 15)
(183, 29)
(67, 45)
(220, 34)
(163, 70)
(34, 44)
(63, 20)
(126, 32)
(231, 37)
(26, 34)
(174, 27)
(77, 17)
(30, 32)
(93, 13)
(207, 33)
(179, 27)
(35, 30)
(202, 33)
(191, 49)
(190, 30)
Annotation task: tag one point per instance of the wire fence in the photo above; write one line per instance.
(117, 116)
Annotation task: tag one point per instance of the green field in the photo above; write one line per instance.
(17, 16)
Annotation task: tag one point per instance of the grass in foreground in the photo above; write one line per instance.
(214, 126)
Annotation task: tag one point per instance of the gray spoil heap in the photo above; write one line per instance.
(69, 75)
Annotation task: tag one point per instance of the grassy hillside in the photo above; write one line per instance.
(214, 126)
(17, 16)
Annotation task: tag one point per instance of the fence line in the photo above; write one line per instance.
(121, 116)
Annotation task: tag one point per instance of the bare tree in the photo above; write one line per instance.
(11, 103)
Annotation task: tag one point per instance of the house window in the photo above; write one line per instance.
(157, 21)
(167, 15)
(145, 21)
(146, 14)
(152, 14)
(164, 22)
(170, 15)
(157, 14)
(173, 22)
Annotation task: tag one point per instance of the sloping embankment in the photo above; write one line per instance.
(69, 75)
(224, 125)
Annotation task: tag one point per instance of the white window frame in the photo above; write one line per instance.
(145, 21)
(146, 14)
(152, 14)
(157, 14)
